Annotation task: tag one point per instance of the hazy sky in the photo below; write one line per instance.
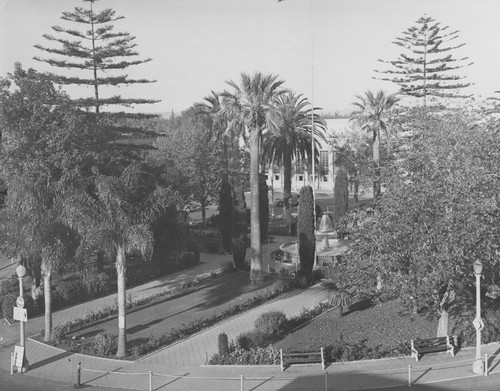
(196, 45)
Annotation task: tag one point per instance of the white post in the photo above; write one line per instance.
(242, 383)
(11, 363)
(477, 365)
(409, 375)
(486, 364)
(150, 381)
(326, 380)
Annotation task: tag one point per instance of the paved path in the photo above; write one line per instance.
(195, 350)
(209, 262)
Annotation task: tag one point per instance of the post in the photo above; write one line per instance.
(281, 359)
(326, 380)
(79, 375)
(477, 365)
(409, 375)
(21, 272)
(242, 380)
(486, 364)
(150, 381)
(11, 363)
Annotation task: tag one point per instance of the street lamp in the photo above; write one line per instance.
(477, 365)
(21, 272)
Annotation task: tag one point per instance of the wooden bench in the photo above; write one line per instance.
(431, 345)
(309, 357)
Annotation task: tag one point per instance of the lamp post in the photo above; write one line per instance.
(477, 365)
(21, 272)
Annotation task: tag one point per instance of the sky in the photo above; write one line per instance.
(325, 49)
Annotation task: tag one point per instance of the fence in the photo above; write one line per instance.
(346, 381)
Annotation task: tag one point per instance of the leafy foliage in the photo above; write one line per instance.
(340, 196)
(440, 213)
(305, 231)
(240, 228)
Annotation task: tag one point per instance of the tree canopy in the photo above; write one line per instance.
(424, 69)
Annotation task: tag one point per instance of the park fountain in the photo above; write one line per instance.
(328, 247)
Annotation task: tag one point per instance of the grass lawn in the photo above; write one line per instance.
(380, 325)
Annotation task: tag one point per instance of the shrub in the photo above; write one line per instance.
(273, 323)
(9, 285)
(466, 332)
(60, 333)
(29, 304)
(69, 291)
(257, 356)
(102, 345)
(8, 304)
(94, 283)
(223, 344)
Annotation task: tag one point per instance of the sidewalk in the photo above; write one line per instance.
(434, 372)
(209, 262)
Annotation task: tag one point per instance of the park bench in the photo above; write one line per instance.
(306, 357)
(431, 345)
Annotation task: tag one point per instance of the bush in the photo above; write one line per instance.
(60, 333)
(228, 267)
(102, 345)
(68, 292)
(94, 283)
(8, 304)
(223, 344)
(9, 285)
(29, 304)
(273, 323)
(466, 332)
(257, 356)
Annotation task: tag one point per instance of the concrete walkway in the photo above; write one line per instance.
(197, 349)
(208, 263)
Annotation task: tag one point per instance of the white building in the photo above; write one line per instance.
(301, 173)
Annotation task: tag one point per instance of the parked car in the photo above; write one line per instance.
(293, 201)
(192, 206)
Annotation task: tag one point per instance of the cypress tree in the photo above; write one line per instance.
(340, 195)
(240, 228)
(263, 207)
(226, 215)
(305, 230)
(425, 71)
(97, 51)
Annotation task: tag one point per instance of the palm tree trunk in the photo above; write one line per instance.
(287, 188)
(376, 165)
(47, 292)
(256, 272)
(121, 269)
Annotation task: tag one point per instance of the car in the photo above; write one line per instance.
(191, 207)
(292, 201)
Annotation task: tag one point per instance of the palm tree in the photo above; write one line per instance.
(252, 105)
(291, 140)
(372, 116)
(119, 216)
(34, 227)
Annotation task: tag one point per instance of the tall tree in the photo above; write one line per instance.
(305, 231)
(252, 105)
(340, 196)
(292, 140)
(97, 50)
(441, 213)
(47, 147)
(120, 214)
(425, 71)
(239, 228)
(373, 116)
